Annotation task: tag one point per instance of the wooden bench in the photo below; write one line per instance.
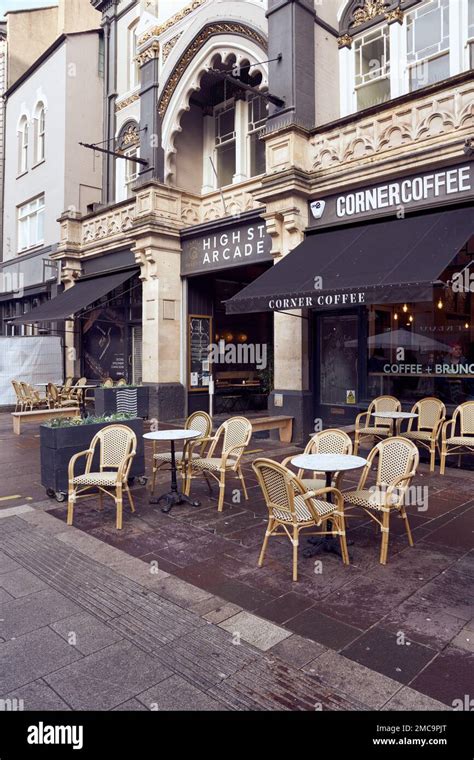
(40, 415)
(283, 424)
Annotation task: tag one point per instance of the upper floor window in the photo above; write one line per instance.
(40, 124)
(428, 43)
(372, 68)
(31, 224)
(257, 117)
(225, 137)
(23, 145)
(133, 69)
(470, 32)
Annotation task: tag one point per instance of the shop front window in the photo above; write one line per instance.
(428, 43)
(338, 359)
(372, 68)
(427, 349)
(257, 117)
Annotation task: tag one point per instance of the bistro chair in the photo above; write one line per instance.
(199, 421)
(397, 461)
(121, 382)
(55, 399)
(117, 445)
(431, 415)
(458, 444)
(367, 426)
(108, 383)
(20, 398)
(330, 441)
(292, 508)
(66, 389)
(31, 397)
(232, 438)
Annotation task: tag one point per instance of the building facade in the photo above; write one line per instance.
(261, 142)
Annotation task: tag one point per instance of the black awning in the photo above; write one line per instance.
(382, 262)
(72, 301)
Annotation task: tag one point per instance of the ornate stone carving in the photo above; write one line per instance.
(168, 46)
(110, 224)
(395, 16)
(127, 102)
(152, 51)
(370, 10)
(193, 49)
(156, 31)
(344, 41)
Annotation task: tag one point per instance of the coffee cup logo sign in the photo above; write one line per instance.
(244, 244)
(409, 193)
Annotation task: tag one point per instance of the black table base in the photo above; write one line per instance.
(329, 544)
(174, 496)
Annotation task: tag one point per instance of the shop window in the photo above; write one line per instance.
(428, 43)
(338, 359)
(372, 68)
(31, 224)
(225, 141)
(133, 68)
(470, 32)
(131, 169)
(23, 145)
(257, 117)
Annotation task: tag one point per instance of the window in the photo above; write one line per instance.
(470, 32)
(39, 133)
(31, 224)
(428, 43)
(372, 68)
(131, 169)
(23, 145)
(133, 71)
(258, 113)
(225, 139)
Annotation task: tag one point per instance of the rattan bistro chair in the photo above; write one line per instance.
(330, 441)
(458, 444)
(199, 421)
(117, 447)
(367, 426)
(19, 396)
(232, 438)
(397, 464)
(55, 399)
(31, 397)
(292, 508)
(431, 415)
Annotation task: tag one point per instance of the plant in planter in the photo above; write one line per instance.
(131, 399)
(61, 438)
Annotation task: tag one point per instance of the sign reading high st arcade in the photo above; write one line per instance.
(395, 197)
(229, 246)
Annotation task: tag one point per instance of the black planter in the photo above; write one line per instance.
(58, 445)
(121, 400)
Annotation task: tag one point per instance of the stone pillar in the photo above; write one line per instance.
(151, 148)
(291, 33)
(109, 25)
(68, 255)
(241, 122)
(208, 177)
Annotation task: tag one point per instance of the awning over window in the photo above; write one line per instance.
(383, 262)
(72, 301)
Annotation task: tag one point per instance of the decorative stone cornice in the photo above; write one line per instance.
(127, 102)
(156, 31)
(209, 31)
(151, 52)
(168, 46)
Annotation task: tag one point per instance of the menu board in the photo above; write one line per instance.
(200, 339)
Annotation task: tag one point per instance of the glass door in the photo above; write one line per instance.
(337, 362)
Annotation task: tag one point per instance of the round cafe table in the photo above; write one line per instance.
(174, 496)
(329, 464)
(397, 417)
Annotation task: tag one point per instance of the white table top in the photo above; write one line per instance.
(394, 415)
(328, 462)
(172, 435)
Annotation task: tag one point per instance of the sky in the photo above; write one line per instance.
(18, 5)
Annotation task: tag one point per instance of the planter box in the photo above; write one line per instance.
(58, 445)
(117, 400)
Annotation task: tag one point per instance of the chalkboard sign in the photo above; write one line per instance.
(200, 338)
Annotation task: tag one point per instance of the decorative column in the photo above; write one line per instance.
(208, 177)
(150, 120)
(68, 256)
(241, 121)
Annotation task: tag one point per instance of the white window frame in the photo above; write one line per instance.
(468, 45)
(229, 139)
(419, 58)
(131, 168)
(383, 73)
(133, 75)
(253, 128)
(26, 213)
(40, 132)
(23, 139)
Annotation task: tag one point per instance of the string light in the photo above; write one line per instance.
(405, 308)
(440, 304)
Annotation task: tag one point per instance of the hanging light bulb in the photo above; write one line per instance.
(395, 316)
(410, 318)
(466, 325)
(440, 304)
(405, 308)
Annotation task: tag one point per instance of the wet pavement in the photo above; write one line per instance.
(372, 637)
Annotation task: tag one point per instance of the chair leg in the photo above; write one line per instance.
(119, 507)
(442, 464)
(265, 542)
(385, 534)
(130, 498)
(70, 506)
(153, 479)
(220, 505)
(343, 540)
(101, 500)
(432, 458)
(407, 526)
(295, 553)
(242, 480)
(356, 444)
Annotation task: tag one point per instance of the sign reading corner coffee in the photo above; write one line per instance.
(225, 246)
(395, 197)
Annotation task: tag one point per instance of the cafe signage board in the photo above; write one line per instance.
(395, 197)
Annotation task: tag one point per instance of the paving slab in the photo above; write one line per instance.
(175, 693)
(255, 630)
(29, 613)
(21, 582)
(297, 651)
(37, 695)
(86, 633)
(408, 699)
(448, 678)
